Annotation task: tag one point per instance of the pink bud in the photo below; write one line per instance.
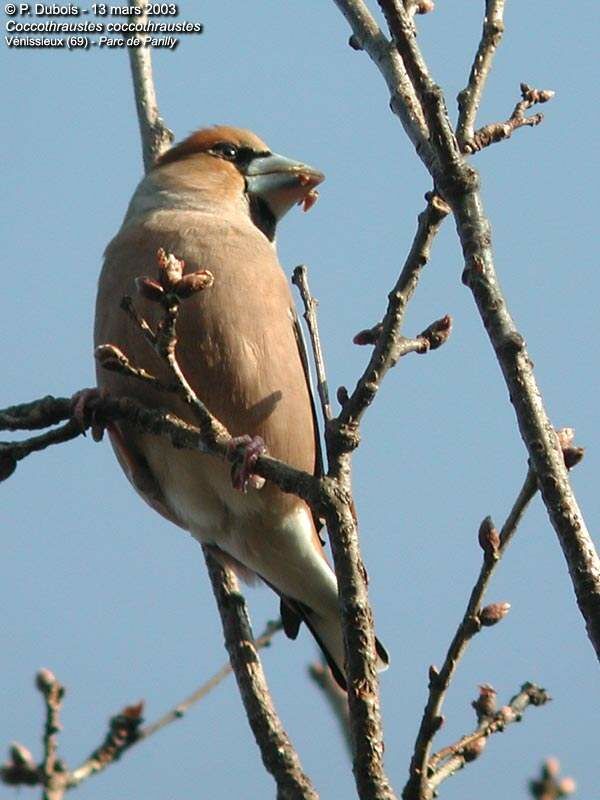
(194, 282)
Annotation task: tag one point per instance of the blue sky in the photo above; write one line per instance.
(98, 588)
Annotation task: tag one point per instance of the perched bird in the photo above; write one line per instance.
(214, 200)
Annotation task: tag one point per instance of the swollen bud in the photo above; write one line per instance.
(134, 712)
(485, 705)
(45, 680)
(170, 269)
(572, 456)
(488, 537)
(438, 332)
(368, 335)
(566, 786)
(551, 768)
(474, 749)
(342, 395)
(20, 755)
(493, 613)
(194, 282)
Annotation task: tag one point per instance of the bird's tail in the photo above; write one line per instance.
(327, 632)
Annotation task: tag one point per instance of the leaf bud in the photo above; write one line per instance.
(488, 537)
(492, 614)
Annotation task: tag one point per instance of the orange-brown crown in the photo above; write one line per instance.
(203, 140)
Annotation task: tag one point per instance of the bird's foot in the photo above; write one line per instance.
(247, 449)
(83, 405)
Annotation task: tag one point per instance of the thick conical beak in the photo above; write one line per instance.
(281, 183)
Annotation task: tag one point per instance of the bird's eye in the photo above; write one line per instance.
(226, 150)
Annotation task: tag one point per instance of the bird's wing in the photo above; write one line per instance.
(291, 612)
(319, 471)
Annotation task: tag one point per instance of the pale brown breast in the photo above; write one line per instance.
(236, 346)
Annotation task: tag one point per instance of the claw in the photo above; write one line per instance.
(248, 448)
(84, 412)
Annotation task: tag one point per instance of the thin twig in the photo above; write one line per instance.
(300, 279)
(113, 359)
(36, 415)
(51, 771)
(264, 640)
(470, 747)
(499, 131)
(278, 755)
(123, 733)
(168, 292)
(383, 357)
(445, 151)
(470, 97)
(103, 756)
(367, 36)
(155, 135)
(13, 452)
(418, 787)
(53, 693)
(158, 423)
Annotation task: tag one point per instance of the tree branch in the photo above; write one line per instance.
(444, 151)
(459, 184)
(493, 545)
(470, 97)
(470, 747)
(278, 755)
(342, 437)
(367, 36)
(108, 753)
(123, 733)
(499, 131)
(386, 352)
(155, 421)
(300, 279)
(154, 134)
(51, 770)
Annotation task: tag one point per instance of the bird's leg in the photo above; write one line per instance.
(245, 450)
(83, 405)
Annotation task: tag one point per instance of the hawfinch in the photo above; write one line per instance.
(214, 200)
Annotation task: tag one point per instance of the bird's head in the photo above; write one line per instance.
(233, 161)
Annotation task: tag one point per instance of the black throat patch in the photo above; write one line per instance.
(263, 217)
